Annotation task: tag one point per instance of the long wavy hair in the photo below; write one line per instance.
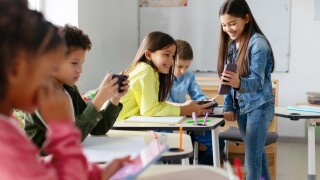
(153, 42)
(238, 8)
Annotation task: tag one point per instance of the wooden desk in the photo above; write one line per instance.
(311, 119)
(212, 125)
(173, 172)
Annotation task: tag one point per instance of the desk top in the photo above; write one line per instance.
(214, 123)
(173, 172)
(295, 115)
(171, 139)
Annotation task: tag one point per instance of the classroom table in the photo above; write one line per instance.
(173, 172)
(312, 119)
(117, 143)
(213, 125)
(171, 139)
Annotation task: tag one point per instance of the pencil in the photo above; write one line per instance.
(216, 96)
(180, 131)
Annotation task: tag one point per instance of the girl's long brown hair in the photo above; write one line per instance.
(155, 41)
(237, 8)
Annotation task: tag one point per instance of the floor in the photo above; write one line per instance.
(292, 161)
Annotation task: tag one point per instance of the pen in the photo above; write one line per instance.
(205, 118)
(195, 119)
(180, 131)
(238, 166)
(216, 96)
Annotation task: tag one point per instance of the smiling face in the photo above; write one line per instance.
(70, 70)
(233, 26)
(163, 59)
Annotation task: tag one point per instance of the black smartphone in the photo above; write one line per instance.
(225, 89)
(121, 78)
(214, 104)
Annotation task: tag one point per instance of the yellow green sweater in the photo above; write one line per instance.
(142, 96)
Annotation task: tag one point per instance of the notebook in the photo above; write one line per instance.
(145, 119)
(148, 155)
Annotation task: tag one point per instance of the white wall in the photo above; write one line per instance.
(60, 12)
(113, 28)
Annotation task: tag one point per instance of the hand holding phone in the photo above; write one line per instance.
(225, 89)
(214, 104)
(121, 78)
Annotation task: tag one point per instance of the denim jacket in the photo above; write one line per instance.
(255, 89)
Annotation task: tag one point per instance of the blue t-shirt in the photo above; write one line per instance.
(183, 85)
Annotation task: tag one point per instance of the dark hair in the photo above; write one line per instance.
(23, 30)
(184, 50)
(238, 8)
(76, 38)
(153, 42)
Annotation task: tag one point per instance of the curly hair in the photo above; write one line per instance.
(76, 38)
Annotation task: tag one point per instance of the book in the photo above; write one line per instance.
(155, 119)
(304, 108)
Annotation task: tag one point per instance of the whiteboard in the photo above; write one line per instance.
(199, 24)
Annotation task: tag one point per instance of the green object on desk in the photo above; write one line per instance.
(199, 121)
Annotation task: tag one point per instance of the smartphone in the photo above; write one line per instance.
(214, 104)
(225, 89)
(121, 78)
(148, 155)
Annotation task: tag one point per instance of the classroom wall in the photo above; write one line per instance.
(113, 27)
(60, 12)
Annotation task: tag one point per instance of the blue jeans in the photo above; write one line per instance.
(253, 128)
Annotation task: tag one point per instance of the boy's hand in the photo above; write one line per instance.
(107, 89)
(116, 98)
(230, 116)
(54, 104)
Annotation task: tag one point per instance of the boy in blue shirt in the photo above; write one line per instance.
(184, 83)
(184, 79)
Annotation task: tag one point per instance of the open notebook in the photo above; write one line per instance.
(144, 119)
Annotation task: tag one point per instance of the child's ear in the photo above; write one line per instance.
(18, 67)
(147, 53)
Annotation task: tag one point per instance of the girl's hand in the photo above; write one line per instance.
(114, 166)
(230, 116)
(230, 78)
(193, 106)
(116, 98)
(54, 104)
(107, 89)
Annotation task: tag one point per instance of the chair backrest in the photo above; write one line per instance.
(210, 87)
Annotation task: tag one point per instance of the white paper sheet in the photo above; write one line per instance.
(104, 149)
(165, 119)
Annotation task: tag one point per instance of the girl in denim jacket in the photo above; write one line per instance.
(251, 101)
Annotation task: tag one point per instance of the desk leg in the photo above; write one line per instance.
(215, 147)
(195, 153)
(311, 151)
